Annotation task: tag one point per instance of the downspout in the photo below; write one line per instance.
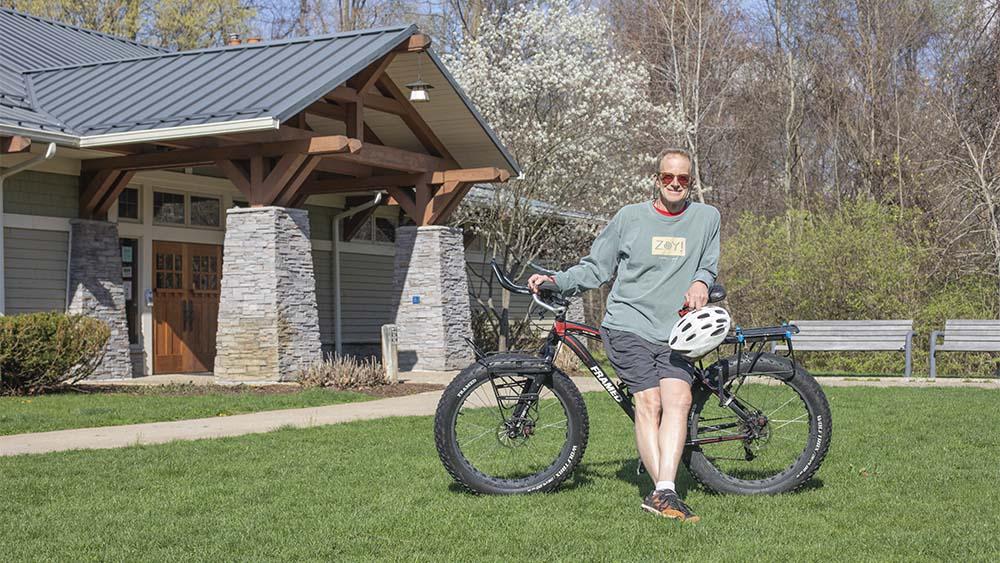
(338, 333)
(50, 151)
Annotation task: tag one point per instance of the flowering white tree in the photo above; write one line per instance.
(575, 114)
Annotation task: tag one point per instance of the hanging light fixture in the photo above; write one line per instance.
(419, 90)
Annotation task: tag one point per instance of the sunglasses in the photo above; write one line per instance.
(667, 178)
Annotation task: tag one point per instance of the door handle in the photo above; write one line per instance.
(188, 315)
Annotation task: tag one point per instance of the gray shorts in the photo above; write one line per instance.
(641, 364)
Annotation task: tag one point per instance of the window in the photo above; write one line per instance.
(364, 233)
(130, 269)
(128, 204)
(205, 211)
(378, 230)
(385, 230)
(168, 208)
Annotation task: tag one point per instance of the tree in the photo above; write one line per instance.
(191, 24)
(114, 17)
(695, 56)
(174, 24)
(576, 116)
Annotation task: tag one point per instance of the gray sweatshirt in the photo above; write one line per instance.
(657, 258)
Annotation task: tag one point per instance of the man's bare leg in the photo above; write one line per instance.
(675, 400)
(647, 429)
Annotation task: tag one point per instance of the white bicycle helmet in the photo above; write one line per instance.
(700, 331)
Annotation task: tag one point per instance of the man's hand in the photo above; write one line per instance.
(537, 280)
(696, 296)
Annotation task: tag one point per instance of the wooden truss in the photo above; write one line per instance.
(285, 166)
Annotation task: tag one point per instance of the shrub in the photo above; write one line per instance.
(344, 372)
(41, 351)
(862, 261)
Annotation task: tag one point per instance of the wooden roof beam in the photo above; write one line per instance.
(415, 43)
(14, 144)
(377, 102)
(468, 175)
(391, 158)
(364, 80)
(421, 130)
(338, 113)
(319, 145)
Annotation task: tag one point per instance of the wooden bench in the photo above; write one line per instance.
(855, 336)
(965, 336)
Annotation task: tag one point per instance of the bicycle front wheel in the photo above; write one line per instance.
(495, 437)
(786, 437)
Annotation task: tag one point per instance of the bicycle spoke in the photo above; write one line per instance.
(522, 445)
(780, 440)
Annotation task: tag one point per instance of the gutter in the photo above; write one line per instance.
(337, 317)
(50, 151)
(144, 136)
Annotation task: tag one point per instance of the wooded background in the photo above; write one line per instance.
(851, 146)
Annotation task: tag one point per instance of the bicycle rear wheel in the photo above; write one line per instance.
(486, 448)
(790, 424)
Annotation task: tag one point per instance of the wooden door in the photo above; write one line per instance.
(186, 287)
(204, 263)
(169, 304)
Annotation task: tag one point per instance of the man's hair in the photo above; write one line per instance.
(672, 152)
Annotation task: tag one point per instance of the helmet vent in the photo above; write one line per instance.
(704, 315)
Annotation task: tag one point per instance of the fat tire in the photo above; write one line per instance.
(804, 467)
(477, 482)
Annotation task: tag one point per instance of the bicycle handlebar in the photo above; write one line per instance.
(512, 287)
(542, 270)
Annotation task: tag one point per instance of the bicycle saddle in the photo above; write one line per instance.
(716, 293)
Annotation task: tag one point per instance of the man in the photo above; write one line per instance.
(666, 254)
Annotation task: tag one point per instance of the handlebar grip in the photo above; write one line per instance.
(548, 286)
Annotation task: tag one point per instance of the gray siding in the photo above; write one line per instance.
(320, 221)
(368, 299)
(42, 193)
(323, 268)
(35, 270)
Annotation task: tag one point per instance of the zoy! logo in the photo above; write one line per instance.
(607, 383)
(669, 246)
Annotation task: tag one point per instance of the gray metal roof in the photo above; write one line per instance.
(29, 42)
(274, 79)
(93, 89)
(32, 42)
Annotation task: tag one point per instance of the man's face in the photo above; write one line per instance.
(676, 190)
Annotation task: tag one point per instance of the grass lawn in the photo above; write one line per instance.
(60, 411)
(912, 475)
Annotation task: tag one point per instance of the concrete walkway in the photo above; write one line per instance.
(412, 405)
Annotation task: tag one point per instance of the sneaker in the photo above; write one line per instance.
(666, 503)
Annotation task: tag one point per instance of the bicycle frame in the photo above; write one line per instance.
(565, 332)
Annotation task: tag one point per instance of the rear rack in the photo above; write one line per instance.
(761, 334)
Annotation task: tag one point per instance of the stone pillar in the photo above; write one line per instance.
(96, 289)
(433, 313)
(268, 319)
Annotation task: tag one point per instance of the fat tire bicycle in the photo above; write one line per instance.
(514, 423)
